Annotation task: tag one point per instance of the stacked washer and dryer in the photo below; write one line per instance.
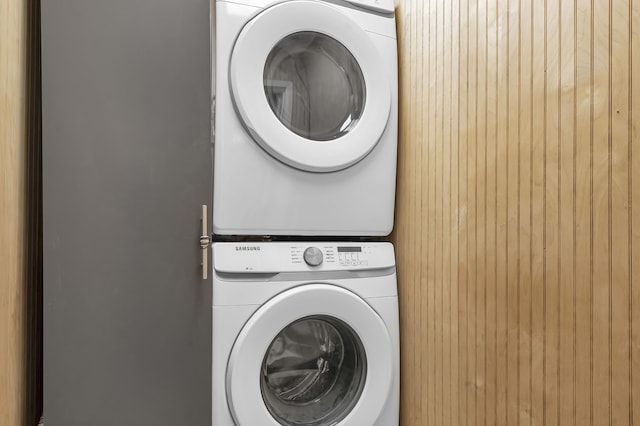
(305, 306)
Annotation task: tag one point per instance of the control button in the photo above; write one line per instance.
(313, 256)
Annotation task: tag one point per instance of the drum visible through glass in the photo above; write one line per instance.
(314, 86)
(313, 372)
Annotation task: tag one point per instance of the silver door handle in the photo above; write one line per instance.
(205, 241)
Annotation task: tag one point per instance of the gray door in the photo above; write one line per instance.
(126, 167)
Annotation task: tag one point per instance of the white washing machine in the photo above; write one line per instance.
(305, 127)
(305, 335)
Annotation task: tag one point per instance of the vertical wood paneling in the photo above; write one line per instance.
(472, 221)
(490, 308)
(454, 230)
(430, 268)
(566, 220)
(462, 213)
(582, 194)
(601, 213)
(428, 395)
(416, 114)
(501, 214)
(13, 104)
(525, 194)
(517, 226)
(423, 228)
(407, 322)
(446, 216)
(512, 236)
(537, 94)
(481, 224)
(552, 204)
(634, 207)
(619, 230)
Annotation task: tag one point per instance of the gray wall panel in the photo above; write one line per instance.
(126, 165)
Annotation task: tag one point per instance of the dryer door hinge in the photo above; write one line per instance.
(205, 242)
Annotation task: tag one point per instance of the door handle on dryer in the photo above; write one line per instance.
(205, 241)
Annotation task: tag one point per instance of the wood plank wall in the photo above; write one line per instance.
(13, 152)
(518, 212)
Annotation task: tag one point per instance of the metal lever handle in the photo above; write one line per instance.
(204, 243)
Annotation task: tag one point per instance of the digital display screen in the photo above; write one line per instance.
(349, 249)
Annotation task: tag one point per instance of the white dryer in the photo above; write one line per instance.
(305, 127)
(305, 335)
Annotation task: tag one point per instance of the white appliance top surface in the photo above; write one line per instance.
(384, 6)
(381, 6)
(277, 257)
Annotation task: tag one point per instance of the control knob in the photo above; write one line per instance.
(313, 256)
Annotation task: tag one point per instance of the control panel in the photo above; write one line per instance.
(334, 255)
(382, 6)
(275, 257)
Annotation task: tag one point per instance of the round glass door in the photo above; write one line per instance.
(313, 372)
(310, 86)
(314, 86)
(314, 355)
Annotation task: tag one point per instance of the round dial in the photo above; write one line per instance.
(313, 256)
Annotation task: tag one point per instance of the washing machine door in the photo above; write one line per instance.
(316, 355)
(310, 86)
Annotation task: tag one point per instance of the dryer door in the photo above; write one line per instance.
(309, 85)
(316, 355)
